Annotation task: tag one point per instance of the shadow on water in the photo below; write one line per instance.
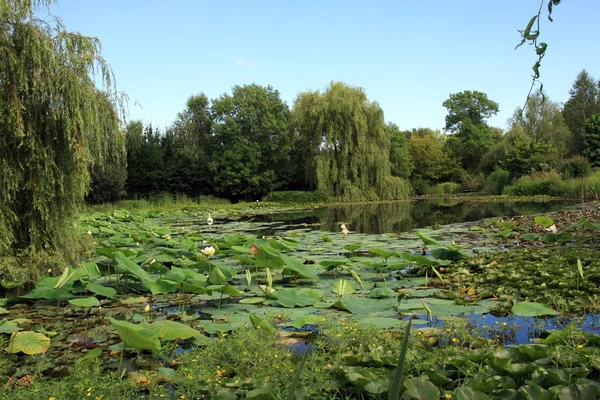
(378, 218)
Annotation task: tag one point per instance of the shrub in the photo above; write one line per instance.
(297, 196)
(496, 181)
(443, 188)
(576, 167)
(537, 184)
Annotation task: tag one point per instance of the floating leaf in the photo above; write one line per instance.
(28, 342)
(134, 300)
(85, 302)
(531, 309)
(544, 221)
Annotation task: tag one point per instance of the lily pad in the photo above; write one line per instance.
(28, 342)
(531, 309)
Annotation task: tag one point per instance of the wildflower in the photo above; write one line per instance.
(448, 396)
(182, 397)
(49, 270)
(208, 251)
(580, 346)
(89, 233)
(52, 398)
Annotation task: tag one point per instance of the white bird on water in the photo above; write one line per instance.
(209, 220)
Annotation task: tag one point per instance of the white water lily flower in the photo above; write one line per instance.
(552, 229)
(209, 220)
(208, 251)
(343, 229)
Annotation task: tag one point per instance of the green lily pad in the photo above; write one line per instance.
(531, 309)
(85, 302)
(28, 342)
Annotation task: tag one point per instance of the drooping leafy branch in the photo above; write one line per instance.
(531, 35)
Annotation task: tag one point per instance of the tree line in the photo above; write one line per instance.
(244, 145)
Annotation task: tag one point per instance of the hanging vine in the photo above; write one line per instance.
(530, 35)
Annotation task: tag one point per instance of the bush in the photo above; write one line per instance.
(576, 167)
(537, 184)
(443, 188)
(496, 181)
(297, 196)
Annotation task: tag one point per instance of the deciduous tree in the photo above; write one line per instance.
(55, 125)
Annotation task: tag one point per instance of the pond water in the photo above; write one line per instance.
(391, 217)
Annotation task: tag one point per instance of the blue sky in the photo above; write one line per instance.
(408, 55)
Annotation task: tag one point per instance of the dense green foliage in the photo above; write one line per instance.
(297, 196)
(56, 126)
(584, 101)
(591, 139)
(346, 133)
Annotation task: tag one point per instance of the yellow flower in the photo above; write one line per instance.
(448, 396)
(182, 397)
(580, 346)
(52, 398)
(147, 308)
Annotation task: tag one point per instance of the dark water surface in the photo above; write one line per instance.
(378, 218)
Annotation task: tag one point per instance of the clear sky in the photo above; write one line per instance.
(407, 55)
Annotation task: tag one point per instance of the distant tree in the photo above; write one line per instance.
(56, 125)
(467, 112)
(429, 160)
(543, 121)
(591, 140)
(145, 160)
(469, 105)
(584, 102)
(192, 148)
(252, 138)
(400, 157)
(348, 143)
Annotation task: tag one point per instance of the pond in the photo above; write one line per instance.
(390, 217)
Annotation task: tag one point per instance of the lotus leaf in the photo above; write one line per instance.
(28, 342)
(85, 302)
(136, 336)
(531, 309)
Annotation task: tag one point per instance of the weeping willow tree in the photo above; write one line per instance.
(56, 124)
(345, 144)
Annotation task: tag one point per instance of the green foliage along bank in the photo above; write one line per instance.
(56, 126)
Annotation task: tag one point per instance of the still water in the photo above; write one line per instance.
(378, 218)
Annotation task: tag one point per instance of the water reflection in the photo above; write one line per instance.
(377, 218)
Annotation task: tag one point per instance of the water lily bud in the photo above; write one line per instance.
(208, 251)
